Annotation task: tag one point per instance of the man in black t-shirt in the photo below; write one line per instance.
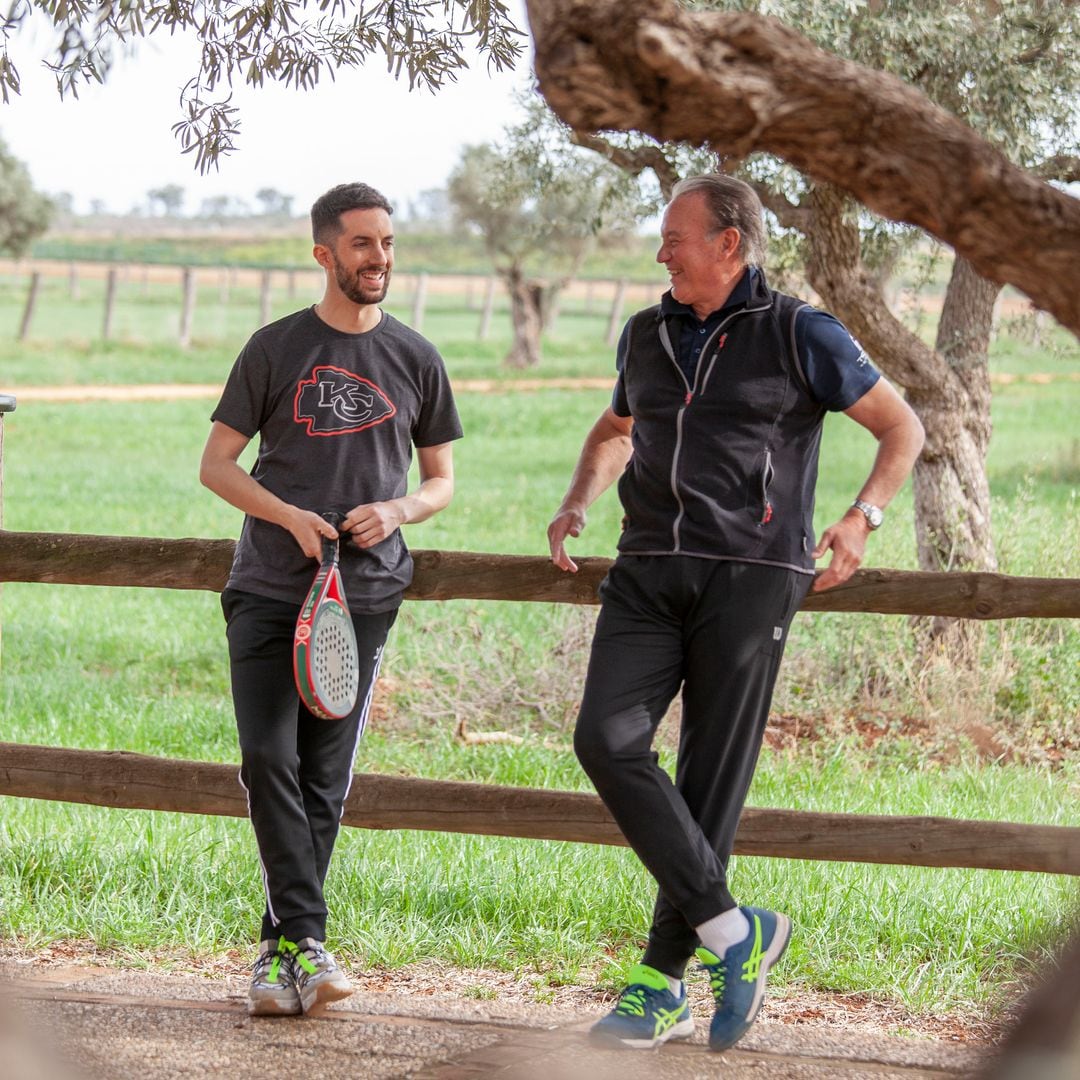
(338, 394)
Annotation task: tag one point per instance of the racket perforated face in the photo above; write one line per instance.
(333, 662)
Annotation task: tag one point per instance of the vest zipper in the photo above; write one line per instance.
(690, 391)
(766, 480)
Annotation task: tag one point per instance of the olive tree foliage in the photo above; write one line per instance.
(292, 42)
(541, 205)
(1012, 72)
(24, 212)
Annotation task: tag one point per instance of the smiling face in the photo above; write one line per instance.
(703, 262)
(361, 258)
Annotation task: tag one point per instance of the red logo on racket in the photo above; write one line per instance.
(336, 402)
(303, 632)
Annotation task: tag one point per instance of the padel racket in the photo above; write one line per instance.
(325, 659)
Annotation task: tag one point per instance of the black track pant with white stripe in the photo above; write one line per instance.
(295, 766)
(717, 630)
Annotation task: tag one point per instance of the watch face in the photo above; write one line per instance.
(875, 517)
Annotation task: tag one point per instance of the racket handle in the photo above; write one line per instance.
(330, 547)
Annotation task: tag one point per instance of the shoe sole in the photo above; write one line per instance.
(270, 1007)
(773, 953)
(314, 1000)
(682, 1030)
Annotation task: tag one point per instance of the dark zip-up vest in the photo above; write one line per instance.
(725, 468)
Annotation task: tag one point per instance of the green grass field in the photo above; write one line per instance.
(145, 670)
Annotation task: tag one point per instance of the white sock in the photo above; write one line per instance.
(674, 985)
(721, 931)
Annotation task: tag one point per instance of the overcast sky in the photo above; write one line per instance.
(115, 142)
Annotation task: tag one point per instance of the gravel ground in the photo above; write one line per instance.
(65, 1017)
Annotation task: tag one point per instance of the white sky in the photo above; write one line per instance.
(115, 142)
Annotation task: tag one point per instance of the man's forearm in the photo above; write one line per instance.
(230, 482)
(898, 448)
(603, 459)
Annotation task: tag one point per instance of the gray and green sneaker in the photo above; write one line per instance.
(319, 980)
(273, 989)
(647, 1015)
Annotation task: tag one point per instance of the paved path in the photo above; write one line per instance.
(78, 1023)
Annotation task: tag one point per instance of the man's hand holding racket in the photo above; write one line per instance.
(309, 530)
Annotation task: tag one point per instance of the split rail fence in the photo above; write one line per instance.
(121, 779)
(481, 294)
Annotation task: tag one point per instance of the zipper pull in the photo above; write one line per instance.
(767, 516)
(689, 397)
(720, 343)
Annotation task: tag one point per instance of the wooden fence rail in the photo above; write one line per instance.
(134, 781)
(121, 779)
(67, 559)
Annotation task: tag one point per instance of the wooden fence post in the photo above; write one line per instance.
(292, 283)
(31, 305)
(223, 294)
(615, 321)
(188, 309)
(110, 301)
(485, 314)
(419, 300)
(264, 298)
(7, 404)
(73, 281)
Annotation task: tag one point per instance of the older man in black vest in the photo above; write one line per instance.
(713, 434)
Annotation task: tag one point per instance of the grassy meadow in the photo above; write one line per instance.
(882, 731)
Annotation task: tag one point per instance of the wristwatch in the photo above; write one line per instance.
(873, 514)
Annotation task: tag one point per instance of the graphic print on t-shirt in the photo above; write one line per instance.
(335, 402)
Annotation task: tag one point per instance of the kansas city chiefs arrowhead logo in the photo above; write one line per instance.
(335, 402)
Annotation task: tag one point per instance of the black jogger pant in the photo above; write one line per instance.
(718, 630)
(296, 767)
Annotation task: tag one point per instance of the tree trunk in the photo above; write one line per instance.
(952, 494)
(948, 387)
(529, 306)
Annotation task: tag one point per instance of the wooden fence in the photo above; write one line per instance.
(386, 802)
(471, 292)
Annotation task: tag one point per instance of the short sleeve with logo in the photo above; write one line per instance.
(337, 416)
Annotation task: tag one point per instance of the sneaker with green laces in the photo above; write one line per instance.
(319, 980)
(647, 1015)
(738, 978)
(273, 989)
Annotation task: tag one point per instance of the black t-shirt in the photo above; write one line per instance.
(337, 416)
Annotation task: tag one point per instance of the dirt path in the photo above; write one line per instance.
(169, 391)
(77, 1021)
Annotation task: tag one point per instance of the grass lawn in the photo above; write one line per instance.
(145, 670)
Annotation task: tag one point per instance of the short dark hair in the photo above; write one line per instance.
(732, 204)
(327, 209)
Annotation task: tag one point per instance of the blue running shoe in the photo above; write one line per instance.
(647, 1015)
(738, 979)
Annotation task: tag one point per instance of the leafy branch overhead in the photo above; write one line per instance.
(292, 42)
(757, 85)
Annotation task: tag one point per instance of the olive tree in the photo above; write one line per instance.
(24, 212)
(293, 42)
(960, 115)
(541, 205)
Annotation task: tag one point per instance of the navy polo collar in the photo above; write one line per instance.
(752, 282)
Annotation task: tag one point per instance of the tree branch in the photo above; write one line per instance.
(634, 161)
(755, 84)
(1064, 168)
(791, 215)
(835, 270)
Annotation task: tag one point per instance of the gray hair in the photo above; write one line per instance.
(732, 204)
